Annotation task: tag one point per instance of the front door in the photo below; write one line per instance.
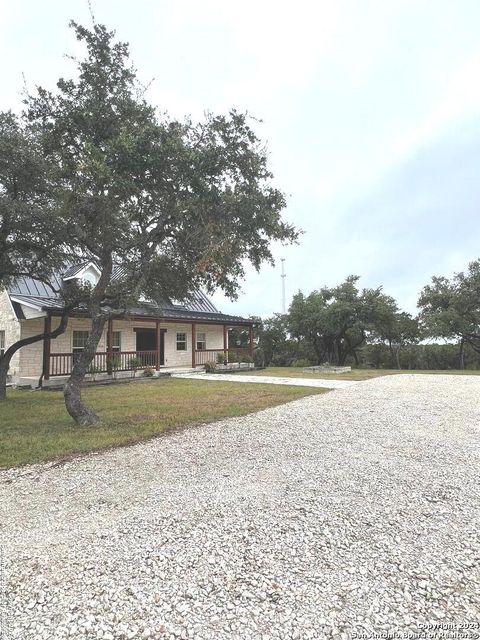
(147, 341)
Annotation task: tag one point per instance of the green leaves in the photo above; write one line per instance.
(32, 235)
(450, 309)
(337, 320)
(177, 204)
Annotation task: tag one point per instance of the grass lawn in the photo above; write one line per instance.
(34, 425)
(355, 374)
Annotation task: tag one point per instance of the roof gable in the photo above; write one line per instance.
(30, 287)
(27, 291)
(79, 271)
(36, 294)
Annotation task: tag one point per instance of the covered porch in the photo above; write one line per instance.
(137, 343)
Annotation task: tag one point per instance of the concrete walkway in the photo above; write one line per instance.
(298, 382)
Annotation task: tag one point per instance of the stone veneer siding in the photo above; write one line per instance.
(31, 358)
(10, 324)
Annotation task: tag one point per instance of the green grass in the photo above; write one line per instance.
(34, 425)
(355, 374)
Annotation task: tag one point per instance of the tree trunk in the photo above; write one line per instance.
(72, 393)
(397, 358)
(355, 357)
(462, 354)
(12, 350)
(319, 350)
(4, 366)
(392, 353)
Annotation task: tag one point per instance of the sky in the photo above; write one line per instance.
(370, 111)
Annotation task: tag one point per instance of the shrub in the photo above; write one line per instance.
(221, 357)
(115, 363)
(149, 372)
(259, 357)
(301, 362)
(134, 364)
(245, 357)
(210, 367)
(233, 356)
(93, 370)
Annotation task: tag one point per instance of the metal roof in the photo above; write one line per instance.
(183, 314)
(39, 301)
(31, 287)
(197, 307)
(72, 271)
(198, 302)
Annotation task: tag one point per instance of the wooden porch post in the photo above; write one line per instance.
(225, 343)
(109, 345)
(158, 343)
(46, 347)
(194, 344)
(250, 340)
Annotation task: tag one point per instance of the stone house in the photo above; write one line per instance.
(162, 335)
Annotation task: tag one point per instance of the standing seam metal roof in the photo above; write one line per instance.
(198, 307)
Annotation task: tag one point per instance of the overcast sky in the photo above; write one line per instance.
(371, 112)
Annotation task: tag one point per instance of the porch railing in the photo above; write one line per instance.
(219, 355)
(61, 363)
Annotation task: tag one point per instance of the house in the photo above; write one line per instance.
(161, 335)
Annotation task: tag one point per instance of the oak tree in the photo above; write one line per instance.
(450, 309)
(32, 235)
(162, 206)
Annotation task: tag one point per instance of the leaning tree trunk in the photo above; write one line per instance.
(72, 392)
(6, 359)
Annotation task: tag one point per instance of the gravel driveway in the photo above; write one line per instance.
(334, 515)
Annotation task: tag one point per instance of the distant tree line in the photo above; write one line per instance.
(365, 327)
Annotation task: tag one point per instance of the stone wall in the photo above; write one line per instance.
(11, 326)
(32, 357)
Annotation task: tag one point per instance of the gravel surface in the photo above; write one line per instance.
(332, 516)
(296, 382)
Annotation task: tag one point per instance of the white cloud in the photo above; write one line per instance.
(348, 91)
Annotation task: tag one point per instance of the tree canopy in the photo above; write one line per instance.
(337, 320)
(31, 234)
(33, 240)
(166, 205)
(450, 308)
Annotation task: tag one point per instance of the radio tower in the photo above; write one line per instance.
(284, 275)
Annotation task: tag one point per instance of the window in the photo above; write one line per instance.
(116, 340)
(201, 341)
(79, 341)
(89, 279)
(181, 341)
(2, 342)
